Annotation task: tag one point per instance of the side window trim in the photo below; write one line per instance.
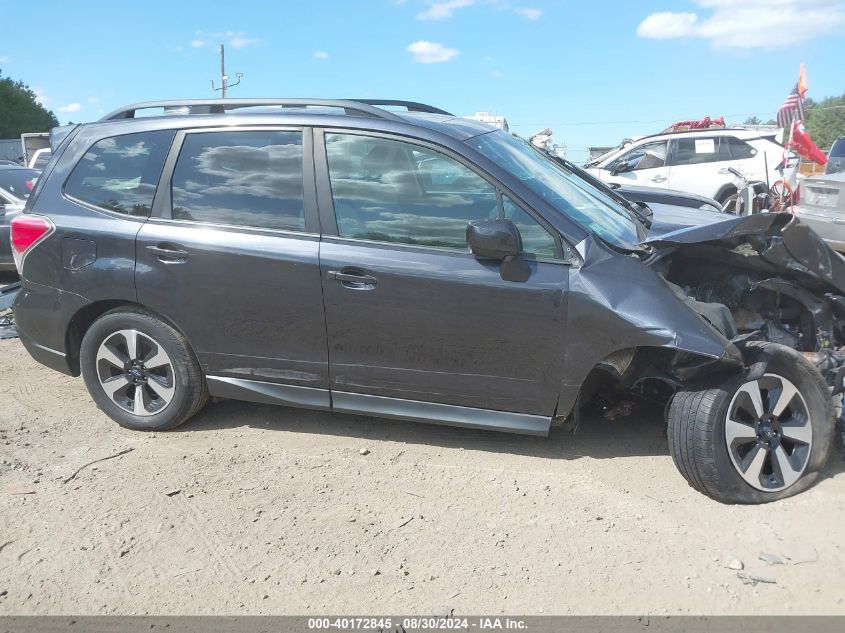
(162, 203)
(325, 199)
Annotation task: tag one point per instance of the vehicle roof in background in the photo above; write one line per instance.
(732, 131)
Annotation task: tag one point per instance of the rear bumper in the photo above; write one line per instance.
(42, 317)
(7, 262)
(830, 229)
(51, 358)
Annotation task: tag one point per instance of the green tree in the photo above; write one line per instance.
(752, 120)
(20, 111)
(825, 120)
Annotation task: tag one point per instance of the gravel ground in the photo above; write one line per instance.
(257, 509)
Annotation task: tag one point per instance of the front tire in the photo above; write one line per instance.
(756, 438)
(141, 371)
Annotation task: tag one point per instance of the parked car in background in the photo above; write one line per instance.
(40, 158)
(836, 157)
(652, 195)
(695, 161)
(821, 205)
(16, 183)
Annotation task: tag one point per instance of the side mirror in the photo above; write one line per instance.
(494, 239)
(619, 167)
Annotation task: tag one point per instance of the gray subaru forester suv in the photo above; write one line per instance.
(387, 258)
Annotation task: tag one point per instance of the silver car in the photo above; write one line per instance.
(821, 205)
(16, 183)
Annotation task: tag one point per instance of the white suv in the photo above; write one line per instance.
(695, 161)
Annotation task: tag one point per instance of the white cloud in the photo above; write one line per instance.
(39, 96)
(92, 100)
(238, 41)
(529, 12)
(71, 107)
(496, 74)
(749, 23)
(321, 55)
(3, 60)
(442, 10)
(667, 25)
(425, 52)
(235, 39)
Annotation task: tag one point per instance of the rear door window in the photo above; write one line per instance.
(247, 178)
(121, 173)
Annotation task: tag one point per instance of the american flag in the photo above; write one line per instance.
(792, 108)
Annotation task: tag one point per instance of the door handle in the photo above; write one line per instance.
(168, 255)
(658, 179)
(353, 279)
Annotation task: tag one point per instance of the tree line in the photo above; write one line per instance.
(20, 111)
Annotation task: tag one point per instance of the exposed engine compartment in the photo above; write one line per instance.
(733, 286)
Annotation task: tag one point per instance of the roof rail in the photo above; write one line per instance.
(363, 107)
(411, 106)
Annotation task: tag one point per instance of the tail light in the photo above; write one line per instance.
(27, 231)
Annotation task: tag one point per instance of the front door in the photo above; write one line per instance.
(231, 255)
(411, 314)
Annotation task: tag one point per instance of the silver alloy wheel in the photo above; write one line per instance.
(768, 433)
(135, 372)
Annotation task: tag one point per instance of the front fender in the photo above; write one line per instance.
(616, 303)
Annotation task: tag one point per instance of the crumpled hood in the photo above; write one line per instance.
(777, 241)
(671, 217)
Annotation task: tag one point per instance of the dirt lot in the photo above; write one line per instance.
(257, 509)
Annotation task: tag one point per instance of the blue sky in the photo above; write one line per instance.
(595, 71)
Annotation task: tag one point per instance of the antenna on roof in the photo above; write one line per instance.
(224, 78)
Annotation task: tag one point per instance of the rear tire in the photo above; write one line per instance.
(141, 371)
(725, 453)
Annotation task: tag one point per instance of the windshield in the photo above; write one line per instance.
(18, 182)
(591, 208)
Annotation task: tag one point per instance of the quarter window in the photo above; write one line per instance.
(243, 178)
(391, 191)
(121, 173)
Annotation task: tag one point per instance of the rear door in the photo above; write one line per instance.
(411, 314)
(699, 166)
(230, 254)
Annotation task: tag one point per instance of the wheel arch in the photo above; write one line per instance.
(644, 369)
(85, 317)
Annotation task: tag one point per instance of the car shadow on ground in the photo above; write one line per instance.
(643, 433)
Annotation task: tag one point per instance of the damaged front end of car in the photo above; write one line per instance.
(762, 277)
(756, 278)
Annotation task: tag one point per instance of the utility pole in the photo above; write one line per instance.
(224, 78)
